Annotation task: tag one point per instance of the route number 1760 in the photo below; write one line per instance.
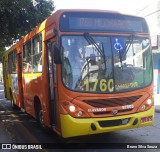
(102, 84)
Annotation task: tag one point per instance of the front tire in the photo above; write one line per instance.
(40, 119)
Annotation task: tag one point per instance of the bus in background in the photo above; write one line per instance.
(5, 75)
(84, 72)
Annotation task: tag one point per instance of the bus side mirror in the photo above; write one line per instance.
(56, 52)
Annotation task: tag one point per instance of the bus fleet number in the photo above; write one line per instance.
(103, 85)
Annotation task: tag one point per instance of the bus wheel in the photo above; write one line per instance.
(40, 117)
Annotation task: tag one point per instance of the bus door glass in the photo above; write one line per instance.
(19, 57)
(50, 73)
(52, 83)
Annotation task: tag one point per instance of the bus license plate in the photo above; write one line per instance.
(145, 119)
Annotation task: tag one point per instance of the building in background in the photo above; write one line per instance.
(151, 12)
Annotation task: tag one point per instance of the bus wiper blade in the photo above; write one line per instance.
(128, 45)
(90, 40)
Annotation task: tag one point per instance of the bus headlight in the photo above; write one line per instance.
(146, 105)
(79, 113)
(149, 101)
(72, 108)
(143, 107)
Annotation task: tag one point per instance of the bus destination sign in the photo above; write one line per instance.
(102, 22)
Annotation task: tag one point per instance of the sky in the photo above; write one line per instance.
(124, 6)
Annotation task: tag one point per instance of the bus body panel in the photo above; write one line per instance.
(31, 84)
(77, 127)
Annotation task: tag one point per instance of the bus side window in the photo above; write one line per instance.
(27, 67)
(12, 62)
(37, 54)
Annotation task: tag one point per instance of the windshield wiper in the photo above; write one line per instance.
(123, 52)
(90, 40)
(100, 50)
(128, 45)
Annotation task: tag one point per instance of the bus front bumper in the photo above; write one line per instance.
(84, 126)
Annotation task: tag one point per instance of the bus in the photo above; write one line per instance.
(83, 72)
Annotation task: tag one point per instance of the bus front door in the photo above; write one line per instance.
(20, 87)
(52, 72)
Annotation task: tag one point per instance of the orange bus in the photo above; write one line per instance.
(83, 72)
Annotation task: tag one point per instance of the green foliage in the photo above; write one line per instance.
(18, 17)
(2, 49)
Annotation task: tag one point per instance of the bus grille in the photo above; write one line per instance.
(112, 102)
(113, 123)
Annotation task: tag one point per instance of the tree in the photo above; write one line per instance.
(18, 17)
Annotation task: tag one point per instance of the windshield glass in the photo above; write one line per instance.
(105, 64)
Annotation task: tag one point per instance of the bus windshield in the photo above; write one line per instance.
(106, 64)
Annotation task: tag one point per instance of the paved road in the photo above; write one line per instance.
(18, 127)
